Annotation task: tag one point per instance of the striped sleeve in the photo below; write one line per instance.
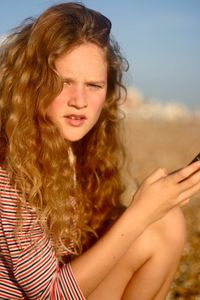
(29, 268)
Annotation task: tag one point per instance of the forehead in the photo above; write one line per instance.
(85, 58)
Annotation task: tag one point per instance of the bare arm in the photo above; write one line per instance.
(157, 195)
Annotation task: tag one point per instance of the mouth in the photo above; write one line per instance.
(76, 117)
(75, 120)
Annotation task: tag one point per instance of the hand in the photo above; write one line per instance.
(160, 192)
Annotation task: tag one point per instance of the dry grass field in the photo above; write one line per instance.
(171, 143)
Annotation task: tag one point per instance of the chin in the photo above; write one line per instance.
(74, 138)
(76, 135)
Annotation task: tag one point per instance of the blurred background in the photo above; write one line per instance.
(161, 41)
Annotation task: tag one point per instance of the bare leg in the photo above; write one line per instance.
(148, 268)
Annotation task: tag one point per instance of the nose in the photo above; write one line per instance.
(78, 97)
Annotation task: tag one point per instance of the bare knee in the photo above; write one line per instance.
(149, 264)
(168, 236)
(164, 239)
(155, 257)
(170, 231)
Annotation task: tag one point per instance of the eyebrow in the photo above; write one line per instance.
(96, 82)
(100, 82)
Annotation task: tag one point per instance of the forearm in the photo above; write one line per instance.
(91, 267)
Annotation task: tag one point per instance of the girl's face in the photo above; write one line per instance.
(77, 108)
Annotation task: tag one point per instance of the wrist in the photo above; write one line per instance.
(140, 213)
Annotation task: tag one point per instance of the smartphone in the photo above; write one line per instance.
(195, 159)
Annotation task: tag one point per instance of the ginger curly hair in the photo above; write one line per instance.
(31, 147)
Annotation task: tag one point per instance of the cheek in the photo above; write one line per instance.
(51, 111)
(97, 106)
(54, 108)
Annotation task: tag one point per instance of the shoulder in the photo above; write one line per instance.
(3, 175)
(4, 180)
(8, 193)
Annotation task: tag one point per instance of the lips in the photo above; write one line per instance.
(76, 117)
(75, 120)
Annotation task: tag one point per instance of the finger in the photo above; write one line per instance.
(185, 202)
(189, 193)
(190, 181)
(184, 173)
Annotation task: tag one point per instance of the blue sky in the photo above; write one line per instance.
(160, 39)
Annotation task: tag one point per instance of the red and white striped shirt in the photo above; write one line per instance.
(29, 268)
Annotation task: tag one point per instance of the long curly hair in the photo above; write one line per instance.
(31, 147)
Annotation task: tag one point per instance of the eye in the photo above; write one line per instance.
(66, 83)
(94, 86)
